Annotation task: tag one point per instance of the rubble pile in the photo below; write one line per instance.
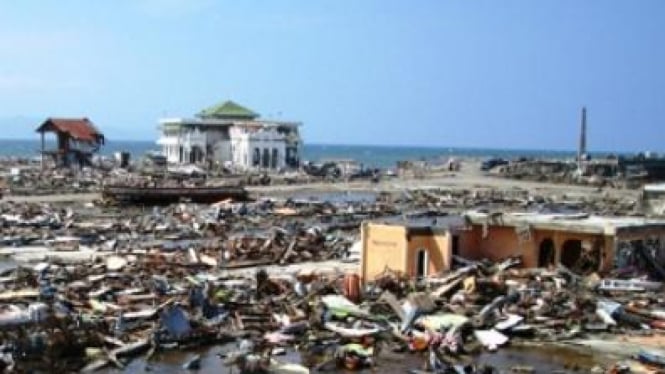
(539, 170)
(104, 312)
(35, 181)
(514, 200)
(240, 234)
(599, 173)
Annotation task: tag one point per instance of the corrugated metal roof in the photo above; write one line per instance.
(81, 129)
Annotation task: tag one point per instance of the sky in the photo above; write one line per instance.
(466, 73)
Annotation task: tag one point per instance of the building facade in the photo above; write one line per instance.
(418, 248)
(584, 244)
(230, 134)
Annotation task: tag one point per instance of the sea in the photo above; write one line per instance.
(373, 156)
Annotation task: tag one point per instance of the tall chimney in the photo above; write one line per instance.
(581, 152)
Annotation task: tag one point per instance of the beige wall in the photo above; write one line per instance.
(502, 242)
(499, 243)
(438, 247)
(396, 248)
(384, 247)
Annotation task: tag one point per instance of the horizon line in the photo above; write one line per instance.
(430, 147)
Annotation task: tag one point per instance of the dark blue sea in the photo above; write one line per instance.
(368, 155)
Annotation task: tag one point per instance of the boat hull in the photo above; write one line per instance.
(168, 195)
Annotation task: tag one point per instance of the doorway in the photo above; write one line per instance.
(546, 253)
(422, 262)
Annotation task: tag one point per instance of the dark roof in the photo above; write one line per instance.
(422, 221)
(81, 129)
(228, 109)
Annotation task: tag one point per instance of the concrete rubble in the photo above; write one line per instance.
(611, 171)
(60, 316)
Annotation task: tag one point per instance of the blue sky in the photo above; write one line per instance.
(501, 74)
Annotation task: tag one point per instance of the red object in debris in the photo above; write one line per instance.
(658, 324)
(351, 362)
(352, 287)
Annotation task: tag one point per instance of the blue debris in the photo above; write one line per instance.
(175, 321)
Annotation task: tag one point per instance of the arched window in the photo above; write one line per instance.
(266, 158)
(275, 158)
(256, 157)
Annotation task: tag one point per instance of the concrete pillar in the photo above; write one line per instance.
(42, 152)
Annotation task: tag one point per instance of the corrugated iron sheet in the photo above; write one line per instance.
(81, 129)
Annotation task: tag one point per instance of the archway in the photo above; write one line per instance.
(546, 253)
(571, 251)
(196, 155)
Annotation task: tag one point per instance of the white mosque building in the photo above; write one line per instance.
(231, 134)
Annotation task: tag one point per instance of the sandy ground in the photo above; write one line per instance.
(61, 198)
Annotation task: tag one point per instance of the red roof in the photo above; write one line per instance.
(81, 129)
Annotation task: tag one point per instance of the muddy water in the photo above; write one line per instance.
(545, 359)
(7, 264)
(336, 197)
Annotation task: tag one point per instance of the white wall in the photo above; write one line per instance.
(245, 141)
(236, 144)
(170, 147)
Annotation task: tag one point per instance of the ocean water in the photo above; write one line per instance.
(369, 156)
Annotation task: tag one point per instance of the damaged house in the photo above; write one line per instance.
(582, 243)
(230, 134)
(77, 139)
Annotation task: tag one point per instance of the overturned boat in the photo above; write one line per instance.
(167, 195)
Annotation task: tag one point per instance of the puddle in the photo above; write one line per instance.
(7, 264)
(543, 359)
(337, 197)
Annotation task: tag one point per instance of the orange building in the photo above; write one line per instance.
(417, 247)
(583, 243)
